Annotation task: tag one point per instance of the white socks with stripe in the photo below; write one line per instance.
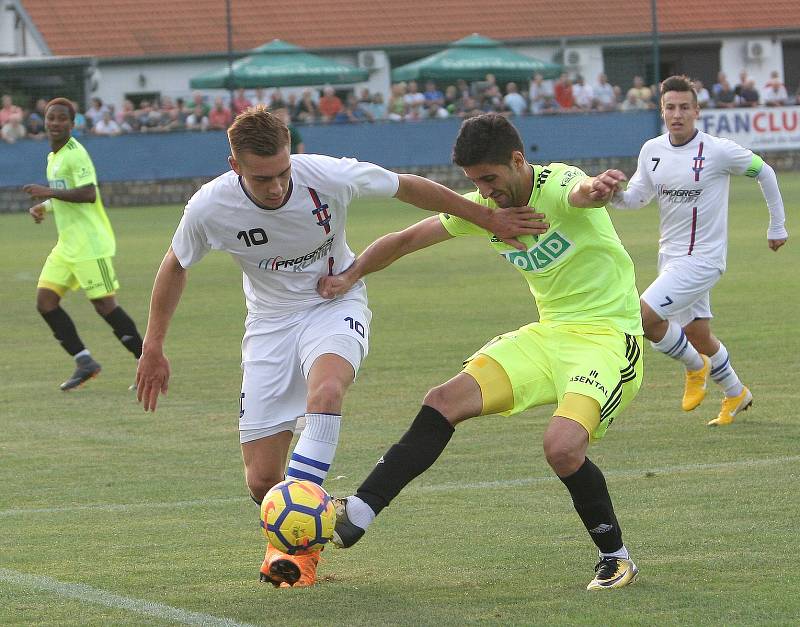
(723, 373)
(675, 344)
(313, 454)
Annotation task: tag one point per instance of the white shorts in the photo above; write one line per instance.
(682, 291)
(278, 352)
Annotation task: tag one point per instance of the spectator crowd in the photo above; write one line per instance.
(406, 102)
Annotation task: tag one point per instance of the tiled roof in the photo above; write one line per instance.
(121, 28)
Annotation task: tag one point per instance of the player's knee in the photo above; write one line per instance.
(564, 458)
(326, 396)
(440, 398)
(260, 484)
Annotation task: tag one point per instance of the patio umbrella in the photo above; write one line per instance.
(471, 59)
(279, 64)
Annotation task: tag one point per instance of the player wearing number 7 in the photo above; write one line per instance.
(689, 173)
(282, 218)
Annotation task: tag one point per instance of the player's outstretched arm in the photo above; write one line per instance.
(87, 193)
(596, 191)
(506, 224)
(383, 252)
(152, 375)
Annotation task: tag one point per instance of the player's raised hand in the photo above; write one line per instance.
(37, 213)
(152, 379)
(775, 244)
(333, 286)
(604, 185)
(37, 191)
(511, 222)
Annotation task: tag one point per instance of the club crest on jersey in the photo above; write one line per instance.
(546, 252)
(298, 264)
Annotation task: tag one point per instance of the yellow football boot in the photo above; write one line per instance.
(696, 385)
(732, 405)
(612, 572)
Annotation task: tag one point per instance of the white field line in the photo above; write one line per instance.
(87, 594)
(440, 487)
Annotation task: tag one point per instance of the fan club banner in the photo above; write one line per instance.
(762, 128)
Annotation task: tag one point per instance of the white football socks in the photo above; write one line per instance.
(313, 454)
(675, 344)
(359, 513)
(723, 373)
(621, 554)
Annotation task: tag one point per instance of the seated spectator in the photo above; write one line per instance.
(351, 111)
(106, 125)
(715, 89)
(749, 96)
(604, 97)
(775, 94)
(436, 112)
(538, 89)
(633, 103)
(397, 103)
(329, 104)
(13, 129)
(277, 101)
(582, 94)
(296, 145)
(563, 93)
(220, 117)
(468, 107)
(127, 119)
(306, 110)
(491, 101)
(432, 95)
(451, 97)
(197, 120)
(79, 126)
(639, 96)
(514, 101)
(260, 98)
(703, 97)
(725, 97)
(549, 104)
(148, 117)
(376, 107)
(240, 103)
(34, 126)
(737, 89)
(199, 99)
(8, 110)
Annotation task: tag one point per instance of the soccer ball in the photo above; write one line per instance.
(297, 516)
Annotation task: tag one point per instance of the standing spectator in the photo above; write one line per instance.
(415, 102)
(717, 87)
(306, 110)
(79, 123)
(296, 145)
(95, 111)
(513, 100)
(106, 125)
(725, 97)
(491, 100)
(376, 107)
(219, 118)
(563, 93)
(329, 104)
(197, 120)
(260, 98)
(703, 97)
(198, 99)
(13, 129)
(740, 85)
(8, 110)
(397, 107)
(749, 96)
(433, 95)
(775, 91)
(537, 91)
(604, 96)
(640, 95)
(276, 100)
(583, 94)
(240, 103)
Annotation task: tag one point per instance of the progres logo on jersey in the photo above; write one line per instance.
(678, 195)
(298, 264)
(541, 256)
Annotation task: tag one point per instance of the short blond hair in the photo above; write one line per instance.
(257, 131)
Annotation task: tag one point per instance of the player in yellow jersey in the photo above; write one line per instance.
(83, 255)
(584, 354)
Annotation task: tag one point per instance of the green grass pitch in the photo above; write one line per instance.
(109, 515)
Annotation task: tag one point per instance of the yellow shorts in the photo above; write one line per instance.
(544, 362)
(96, 277)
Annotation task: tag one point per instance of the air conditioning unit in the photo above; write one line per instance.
(757, 49)
(573, 57)
(371, 59)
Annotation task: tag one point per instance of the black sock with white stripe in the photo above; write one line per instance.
(591, 499)
(125, 330)
(675, 344)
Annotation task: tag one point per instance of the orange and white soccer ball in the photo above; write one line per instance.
(298, 516)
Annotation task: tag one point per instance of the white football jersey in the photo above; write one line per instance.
(691, 183)
(282, 252)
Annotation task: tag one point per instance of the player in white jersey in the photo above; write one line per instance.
(282, 218)
(689, 173)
